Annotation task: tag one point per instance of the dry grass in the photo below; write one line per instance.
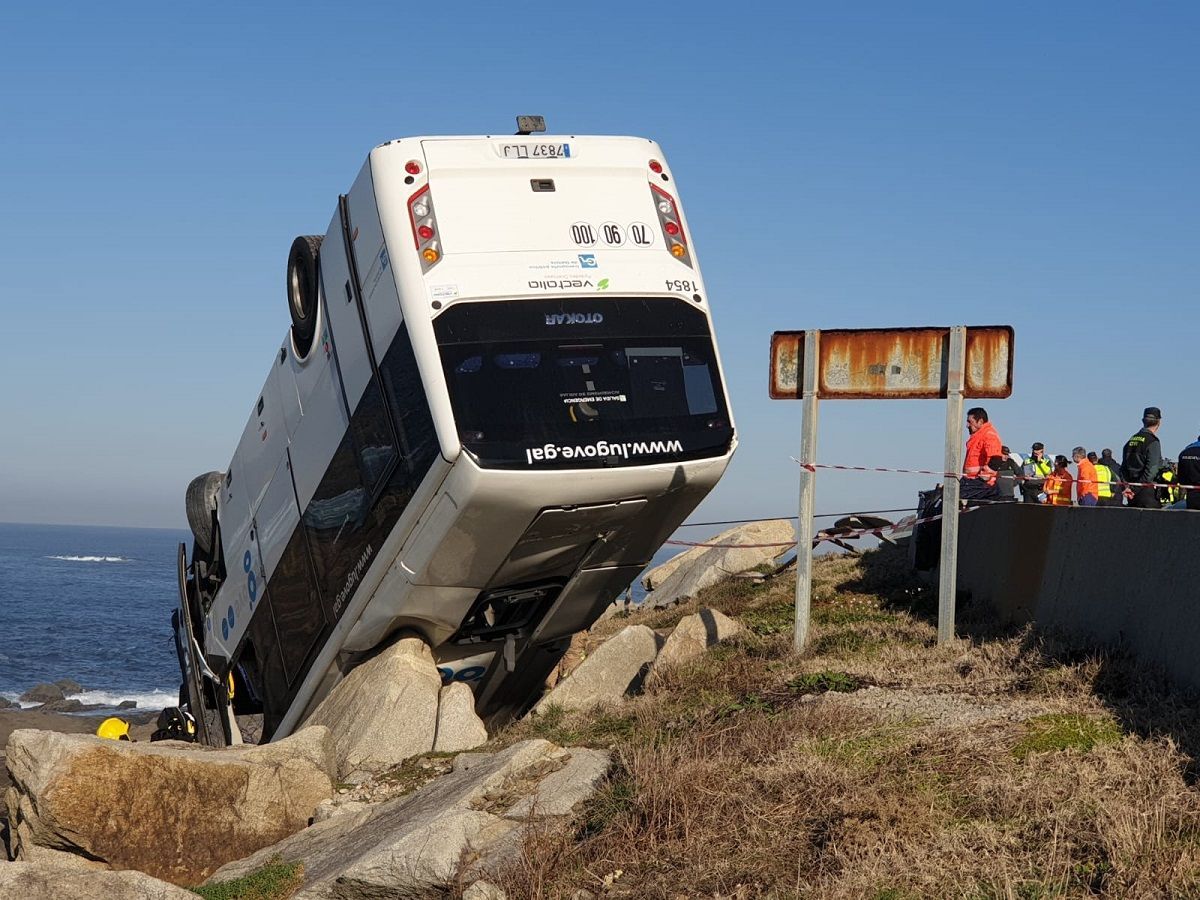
(1016, 766)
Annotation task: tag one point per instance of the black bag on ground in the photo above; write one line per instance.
(174, 725)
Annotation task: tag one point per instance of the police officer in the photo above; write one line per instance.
(1036, 469)
(1141, 460)
(1189, 472)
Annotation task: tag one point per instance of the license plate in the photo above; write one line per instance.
(534, 151)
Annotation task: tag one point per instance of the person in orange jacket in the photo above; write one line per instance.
(1058, 483)
(1086, 485)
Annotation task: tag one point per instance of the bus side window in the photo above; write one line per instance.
(414, 421)
(373, 440)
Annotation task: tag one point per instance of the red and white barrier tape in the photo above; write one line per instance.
(812, 467)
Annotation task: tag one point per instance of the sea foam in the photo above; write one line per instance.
(101, 559)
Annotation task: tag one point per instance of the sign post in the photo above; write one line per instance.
(951, 487)
(808, 490)
(888, 363)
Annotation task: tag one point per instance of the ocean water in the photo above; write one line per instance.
(94, 604)
(91, 604)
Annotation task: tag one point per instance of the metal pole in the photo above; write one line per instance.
(948, 568)
(808, 489)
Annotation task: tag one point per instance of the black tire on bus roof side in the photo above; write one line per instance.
(302, 291)
(200, 502)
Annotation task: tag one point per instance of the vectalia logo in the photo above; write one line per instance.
(574, 318)
(561, 284)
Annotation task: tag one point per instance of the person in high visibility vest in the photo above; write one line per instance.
(1168, 494)
(1085, 484)
(1106, 491)
(1058, 484)
(979, 479)
(1114, 467)
(1035, 470)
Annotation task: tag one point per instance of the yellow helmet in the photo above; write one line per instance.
(113, 729)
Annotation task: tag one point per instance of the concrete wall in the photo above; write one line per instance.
(1109, 575)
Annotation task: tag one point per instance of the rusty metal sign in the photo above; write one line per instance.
(893, 363)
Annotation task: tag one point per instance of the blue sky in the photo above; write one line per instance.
(863, 165)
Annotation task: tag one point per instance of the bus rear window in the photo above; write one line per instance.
(571, 395)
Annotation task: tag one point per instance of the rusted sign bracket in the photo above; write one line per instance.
(888, 363)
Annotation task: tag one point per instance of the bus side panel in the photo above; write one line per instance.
(342, 316)
(263, 441)
(277, 517)
(233, 513)
(374, 264)
(308, 373)
(318, 435)
(289, 393)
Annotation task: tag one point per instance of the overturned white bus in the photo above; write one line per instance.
(499, 395)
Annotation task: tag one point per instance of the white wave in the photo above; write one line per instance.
(104, 559)
(152, 700)
(145, 700)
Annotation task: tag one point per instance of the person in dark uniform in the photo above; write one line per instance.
(1142, 460)
(1189, 472)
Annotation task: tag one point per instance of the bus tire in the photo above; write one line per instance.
(302, 285)
(201, 502)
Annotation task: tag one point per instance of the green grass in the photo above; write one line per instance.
(838, 614)
(771, 618)
(599, 729)
(1052, 733)
(1024, 890)
(820, 682)
(862, 752)
(275, 881)
(613, 800)
(748, 703)
(417, 772)
(846, 642)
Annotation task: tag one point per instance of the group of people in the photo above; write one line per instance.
(1142, 478)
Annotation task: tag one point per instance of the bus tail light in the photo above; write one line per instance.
(668, 221)
(424, 226)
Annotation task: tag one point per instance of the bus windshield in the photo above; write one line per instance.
(581, 383)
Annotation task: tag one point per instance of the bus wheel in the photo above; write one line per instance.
(302, 291)
(201, 502)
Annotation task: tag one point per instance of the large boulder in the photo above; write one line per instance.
(742, 548)
(69, 686)
(458, 726)
(616, 669)
(460, 826)
(42, 693)
(173, 810)
(385, 711)
(47, 881)
(694, 635)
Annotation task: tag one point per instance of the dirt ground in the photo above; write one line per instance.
(1009, 763)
